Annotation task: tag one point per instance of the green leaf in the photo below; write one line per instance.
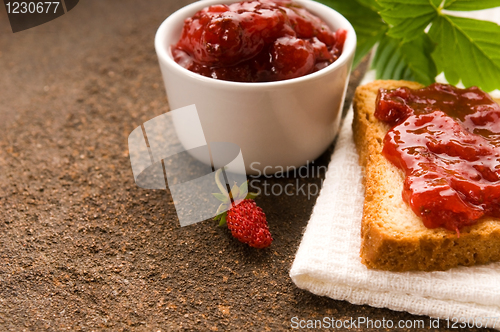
(222, 220)
(235, 192)
(221, 187)
(251, 195)
(408, 18)
(372, 4)
(244, 189)
(221, 197)
(365, 20)
(467, 50)
(465, 5)
(410, 61)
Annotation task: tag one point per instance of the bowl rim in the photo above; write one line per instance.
(164, 51)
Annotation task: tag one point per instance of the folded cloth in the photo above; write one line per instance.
(327, 262)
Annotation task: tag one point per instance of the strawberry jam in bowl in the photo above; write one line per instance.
(257, 41)
(268, 76)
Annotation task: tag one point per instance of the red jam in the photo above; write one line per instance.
(257, 41)
(447, 141)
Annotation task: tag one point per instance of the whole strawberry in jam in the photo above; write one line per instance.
(257, 41)
(246, 221)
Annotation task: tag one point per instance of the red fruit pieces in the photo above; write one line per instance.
(223, 41)
(321, 51)
(257, 41)
(340, 37)
(292, 57)
(217, 9)
(213, 35)
(247, 223)
(228, 35)
(307, 25)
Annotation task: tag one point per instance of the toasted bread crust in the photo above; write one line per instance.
(393, 237)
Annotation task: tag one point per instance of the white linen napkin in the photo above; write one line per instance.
(327, 262)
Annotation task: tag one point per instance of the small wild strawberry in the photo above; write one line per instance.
(246, 221)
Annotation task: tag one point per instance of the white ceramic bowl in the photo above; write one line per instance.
(276, 124)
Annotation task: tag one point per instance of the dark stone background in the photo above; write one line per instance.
(81, 246)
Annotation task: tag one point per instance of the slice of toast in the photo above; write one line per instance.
(393, 236)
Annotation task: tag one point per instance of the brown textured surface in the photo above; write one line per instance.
(394, 238)
(81, 247)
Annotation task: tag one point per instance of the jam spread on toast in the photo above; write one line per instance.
(447, 142)
(257, 41)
